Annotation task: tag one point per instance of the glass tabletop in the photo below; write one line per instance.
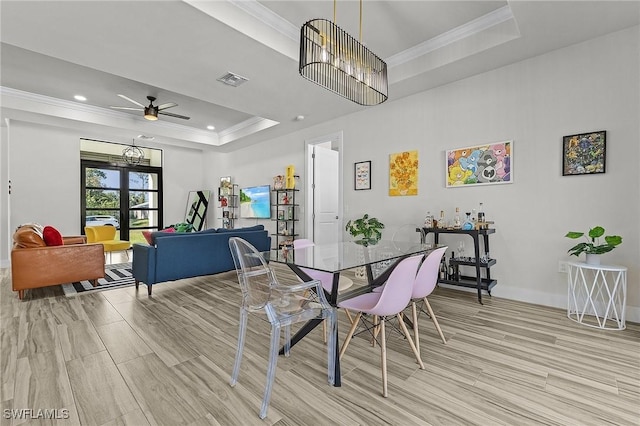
(336, 257)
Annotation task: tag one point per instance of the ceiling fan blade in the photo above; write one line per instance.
(127, 108)
(184, 117)
(131, 100)
(167, 105)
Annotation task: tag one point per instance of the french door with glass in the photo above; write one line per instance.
(127, 197)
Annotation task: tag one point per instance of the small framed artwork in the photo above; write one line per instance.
(486, 164)
(362, 174)
(584, 153)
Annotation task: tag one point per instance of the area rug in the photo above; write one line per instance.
(115, 276)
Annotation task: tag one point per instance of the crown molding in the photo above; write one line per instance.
(244, 128)
(78, 110)
(269, 17)
(463, 31)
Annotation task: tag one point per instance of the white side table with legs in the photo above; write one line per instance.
(597, 295)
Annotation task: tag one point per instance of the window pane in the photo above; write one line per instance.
(139, 199)
(102, 199)
(147, 219)
(143, 200)
(102, 178)
(102, 217)
(140, 180)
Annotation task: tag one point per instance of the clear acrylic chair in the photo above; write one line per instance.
(386, 304)
(282, 304)
(408, 232)
(426, 281)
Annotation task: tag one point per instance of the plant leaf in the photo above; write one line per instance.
(613, 240)
(579, 248)
(574, 235)
(596, 232)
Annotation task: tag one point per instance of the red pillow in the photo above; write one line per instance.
(51, 236)
(147, 236)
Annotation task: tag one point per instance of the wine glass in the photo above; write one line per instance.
(461, 249)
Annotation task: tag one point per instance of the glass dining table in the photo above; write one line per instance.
(378, 259)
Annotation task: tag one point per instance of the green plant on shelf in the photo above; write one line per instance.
(593, 244)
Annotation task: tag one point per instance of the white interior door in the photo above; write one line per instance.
(326, 191)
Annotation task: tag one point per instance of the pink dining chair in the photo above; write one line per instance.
(325, 278)
(386, 304)
(426, 281)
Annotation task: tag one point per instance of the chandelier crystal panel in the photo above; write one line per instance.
(338, 62)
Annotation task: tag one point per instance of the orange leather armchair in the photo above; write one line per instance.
(35, 265)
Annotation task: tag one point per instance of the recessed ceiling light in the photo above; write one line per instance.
(79, 98)
(211, 127)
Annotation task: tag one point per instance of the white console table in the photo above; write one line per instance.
(597, 295)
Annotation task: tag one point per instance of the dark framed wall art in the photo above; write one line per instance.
(362, 174)
(584, 153)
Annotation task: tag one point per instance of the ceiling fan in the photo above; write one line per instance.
(151, 112)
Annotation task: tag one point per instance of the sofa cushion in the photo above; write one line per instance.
(247, 229)
(51, 236)
(28, 236)
(35, 226)
(164, 233)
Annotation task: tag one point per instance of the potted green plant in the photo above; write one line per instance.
(593, 247)
(368, 227)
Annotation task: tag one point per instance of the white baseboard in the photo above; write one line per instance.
(553, 300)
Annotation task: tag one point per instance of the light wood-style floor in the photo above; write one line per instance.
(120, 357)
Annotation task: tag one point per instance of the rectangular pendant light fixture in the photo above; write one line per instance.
(333, 59)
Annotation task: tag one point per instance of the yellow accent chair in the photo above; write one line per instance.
(106, 235)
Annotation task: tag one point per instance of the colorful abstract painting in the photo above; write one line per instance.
(403, 173)
(480, 165)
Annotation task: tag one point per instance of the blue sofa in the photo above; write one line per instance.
(173, 256)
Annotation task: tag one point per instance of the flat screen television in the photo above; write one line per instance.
(255, 202)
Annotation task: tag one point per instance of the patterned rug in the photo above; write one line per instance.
(115, 276)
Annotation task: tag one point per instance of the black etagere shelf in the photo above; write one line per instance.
(285, 216)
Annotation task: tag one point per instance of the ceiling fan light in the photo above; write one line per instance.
(151, 113)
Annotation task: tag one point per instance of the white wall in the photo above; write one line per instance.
(5, 235)
(586, 87)
(45, 174)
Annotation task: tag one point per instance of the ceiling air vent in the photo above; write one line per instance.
(232, 79)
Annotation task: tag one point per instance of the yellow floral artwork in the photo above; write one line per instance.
(403, 173)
